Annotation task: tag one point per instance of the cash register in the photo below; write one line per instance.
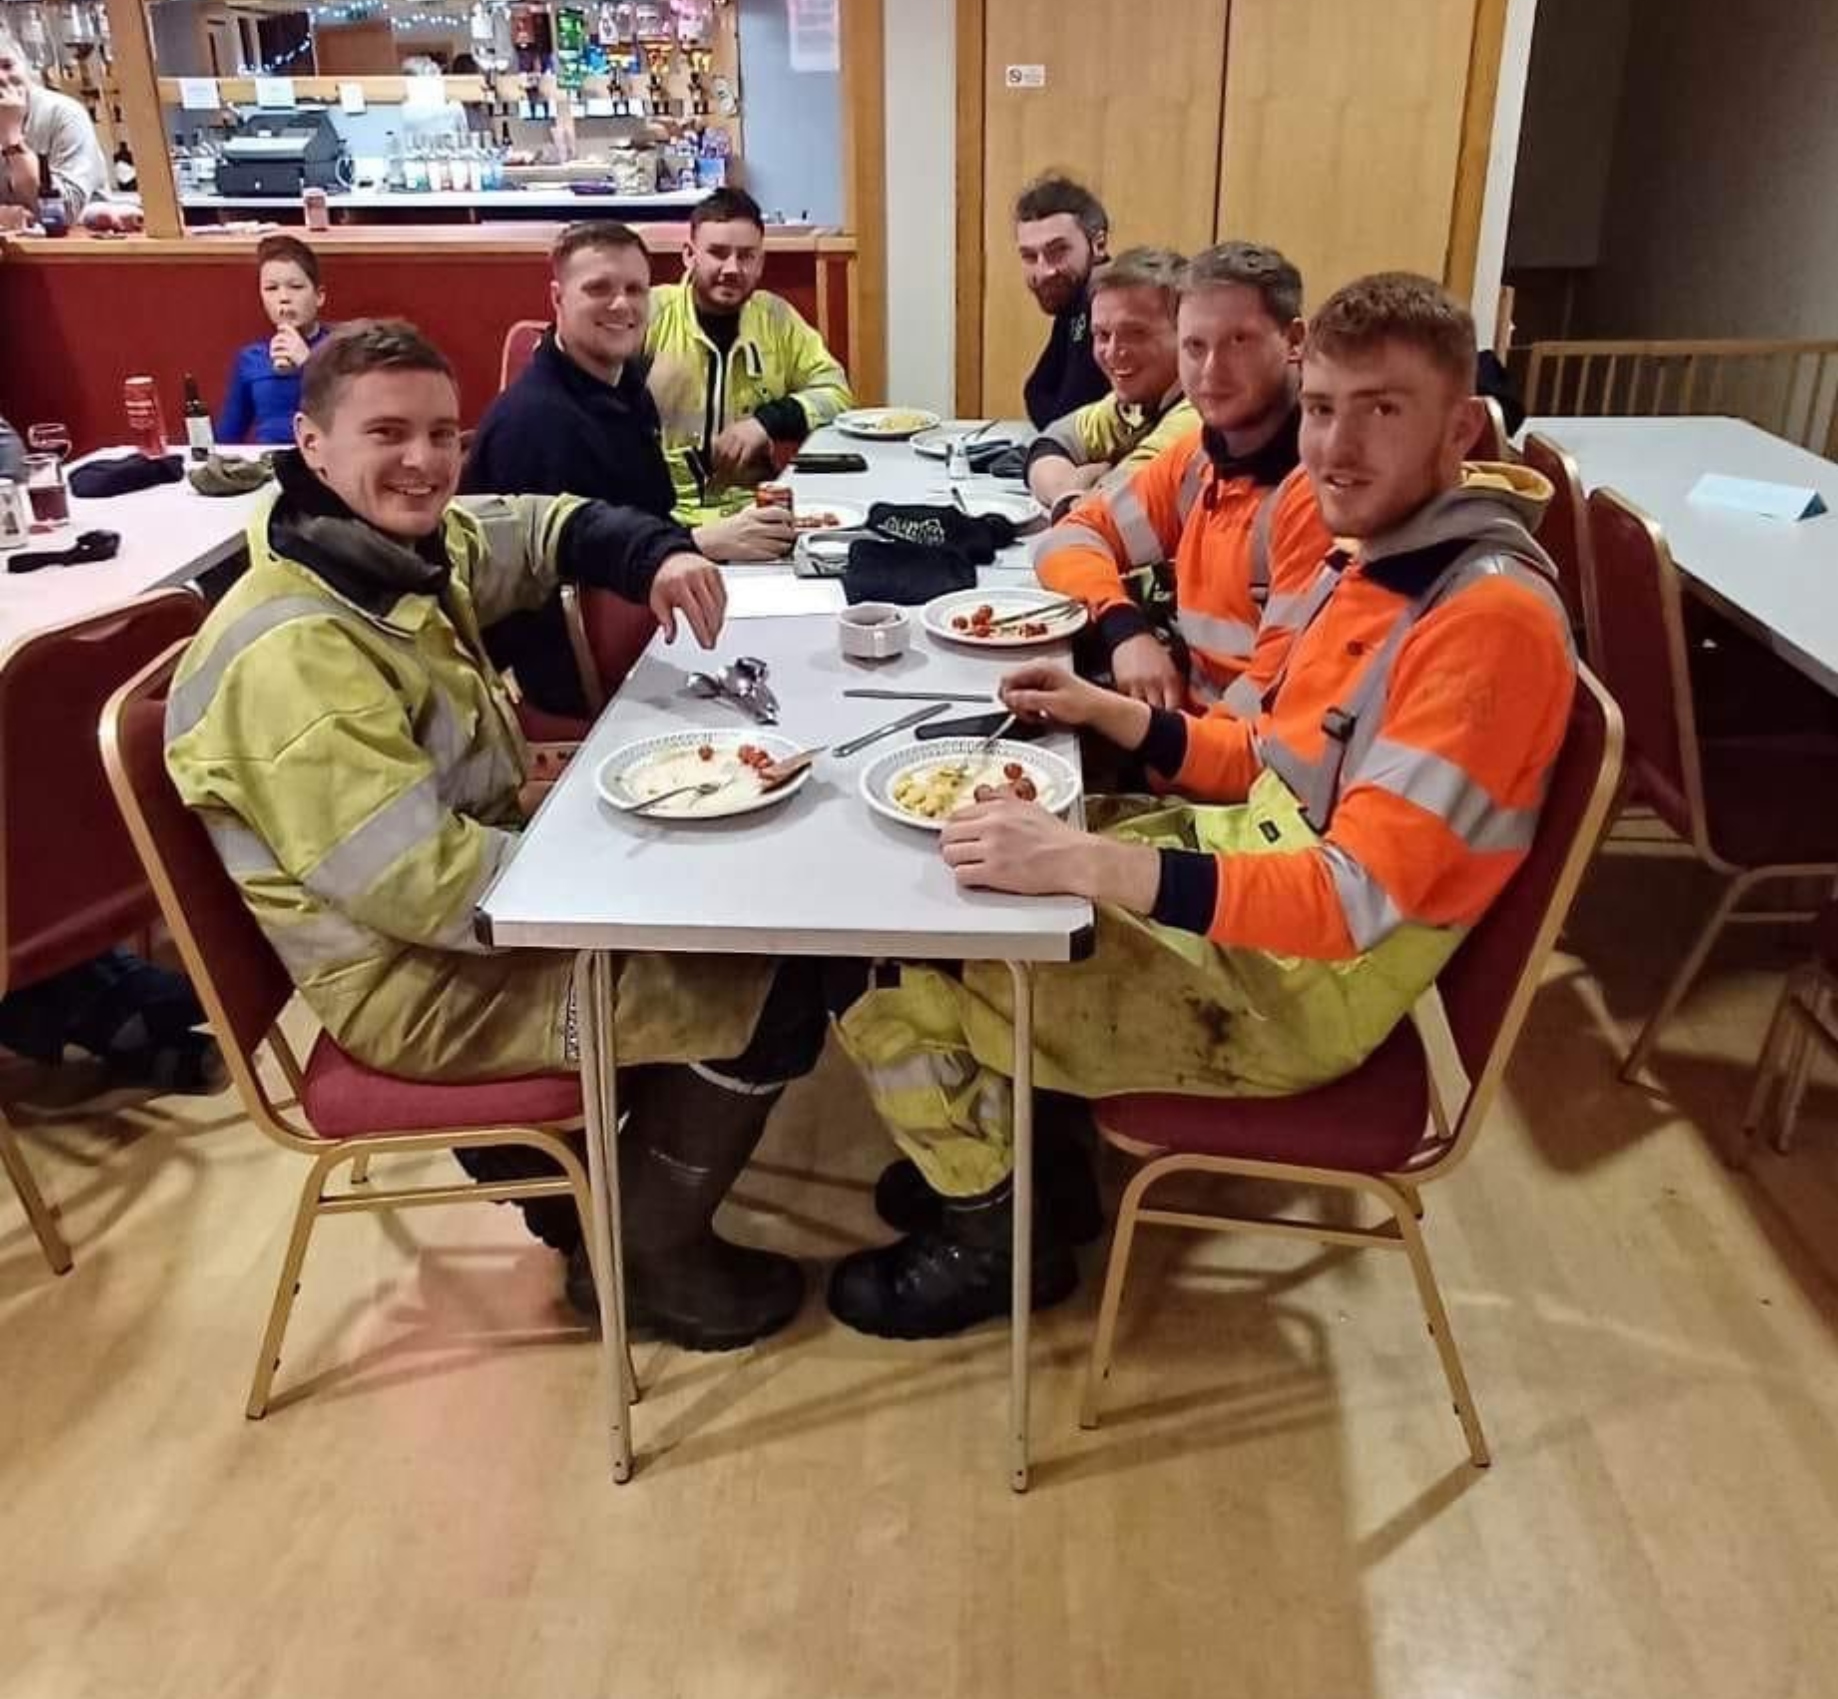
(282, 154)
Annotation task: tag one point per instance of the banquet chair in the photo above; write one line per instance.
(70, 884)
(1492, 442)
(1752, 808)
(340, 1111)
(1804, 1017)
(519, 345)
(1412, 1111)
(1563, 532)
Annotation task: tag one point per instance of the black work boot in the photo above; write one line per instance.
(940, 1281)
(1065, 1185)
(686, 1141)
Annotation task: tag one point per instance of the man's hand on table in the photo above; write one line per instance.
(691, 586)
(753, 534)
(1008, 845)
(1047, 692)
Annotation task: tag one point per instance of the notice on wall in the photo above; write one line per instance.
(351, 97)
(275, 93)
(424, 94)
(198, 94)
(1025, 76)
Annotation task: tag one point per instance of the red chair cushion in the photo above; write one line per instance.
(540, 726)
(343, 1099)
(1368, 1121)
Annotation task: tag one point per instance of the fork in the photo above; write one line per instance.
(702, 788)
(1046, 610)
(965, 767)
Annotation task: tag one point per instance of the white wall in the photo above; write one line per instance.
(921, 202)
(791, 120)
(1723, 212)
(1502, 161)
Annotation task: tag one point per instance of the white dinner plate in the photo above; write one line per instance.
(652, 765)
(938, 614)
(1019, 508)
(885, 424)
(844, 513)
(1054, 777)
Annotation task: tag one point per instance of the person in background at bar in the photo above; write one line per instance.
(1133, 301)
(12, 453)
(36, 124)
(735, 368)
(1062, 232)
(264, 388)
(579, 420)
(336, 725)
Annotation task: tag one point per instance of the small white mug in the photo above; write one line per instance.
(873, 631)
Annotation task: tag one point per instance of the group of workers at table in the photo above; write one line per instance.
(1326, 649)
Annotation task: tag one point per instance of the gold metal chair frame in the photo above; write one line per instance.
(1741, 881)
(269, 1112)
(1802, 1019)
(1447, 1140)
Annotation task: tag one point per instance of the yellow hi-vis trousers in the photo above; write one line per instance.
(1152, 1009)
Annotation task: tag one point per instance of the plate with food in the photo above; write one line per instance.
(813, 515)
(1003, 619)
(925, 784)
(885, 424)
(702, 775)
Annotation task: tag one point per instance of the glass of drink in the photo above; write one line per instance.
(45, 488)
(49, 439)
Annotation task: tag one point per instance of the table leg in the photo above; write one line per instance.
(1022, 1292)
(594, 1008)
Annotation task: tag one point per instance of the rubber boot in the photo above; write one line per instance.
(1065, 1185)
(684, 1144)
(935, 1283)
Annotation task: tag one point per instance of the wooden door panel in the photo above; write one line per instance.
(1343, 126)
(1131, 108)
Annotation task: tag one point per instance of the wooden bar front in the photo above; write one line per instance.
(81, 314)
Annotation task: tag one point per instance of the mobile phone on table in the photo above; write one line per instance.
(980, 725)
(829, 463)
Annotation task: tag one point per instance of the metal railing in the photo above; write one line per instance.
(1787, 387)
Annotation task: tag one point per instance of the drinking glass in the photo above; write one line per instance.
(45, 488)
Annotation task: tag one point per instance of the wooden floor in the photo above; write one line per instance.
(1280, 1503)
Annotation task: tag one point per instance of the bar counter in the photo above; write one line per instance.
(81, 313)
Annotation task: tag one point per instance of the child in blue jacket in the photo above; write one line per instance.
(264, 392)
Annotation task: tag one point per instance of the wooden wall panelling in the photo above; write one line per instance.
(1131, 106)
(140, 109)
(968, 338)
(1342, 134)
(1483, 95)
(864, 190)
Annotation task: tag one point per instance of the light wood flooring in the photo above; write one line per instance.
(1279, 1504)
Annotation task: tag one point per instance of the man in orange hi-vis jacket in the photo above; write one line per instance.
(1226, 505)
(1266, 936)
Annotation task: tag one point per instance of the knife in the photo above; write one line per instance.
(923, 695)
(899, 725)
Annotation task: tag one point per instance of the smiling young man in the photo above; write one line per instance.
(1266, 936)
(1062, 233)
(354, 756)
(579, 420)
(1133, 303)
(1225, 505)
(735, 368)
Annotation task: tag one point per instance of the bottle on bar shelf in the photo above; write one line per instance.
(198, 433)
(53, 215)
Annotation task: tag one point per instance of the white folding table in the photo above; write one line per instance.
(1777, 579)
(818, 875)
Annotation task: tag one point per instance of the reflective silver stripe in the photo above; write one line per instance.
(994, 1107)
(1069, 534)
(442, 737)
(1438, 785)
(1191, 480)
(1370, 914)
(1064, 433)
(740, 1087)
(1141, 544)
(1217, 636)
(353, 865)
(1203, 687)
(309, 946)
(243, 854)
(191, 700)
(1243, 698)
(519, 538)
(944, 1070)
(1260, 546)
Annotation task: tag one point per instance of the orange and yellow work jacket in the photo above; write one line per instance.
(1415, 722)
(1245, 537)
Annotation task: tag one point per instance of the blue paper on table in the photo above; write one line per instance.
(1751, 495)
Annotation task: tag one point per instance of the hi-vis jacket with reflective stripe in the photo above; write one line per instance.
(1123, 436)
(776, 356)
(1244, 544)
(357, 767)
(1416, 720)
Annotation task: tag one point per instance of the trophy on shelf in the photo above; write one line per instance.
(701, 63)
(657, 58)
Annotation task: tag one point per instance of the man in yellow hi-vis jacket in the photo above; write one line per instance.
(734, 368)
(354, 755)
